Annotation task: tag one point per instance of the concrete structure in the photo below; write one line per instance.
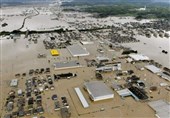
(161, 107)
(153, 69)
(77, 50)
(81, 97)
(98, 90)
(139, 57)
(14, 83)
(66, 65)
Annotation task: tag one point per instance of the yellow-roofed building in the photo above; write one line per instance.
(54, 52)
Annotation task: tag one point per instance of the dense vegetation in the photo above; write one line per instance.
(129, 10)
(111, 1)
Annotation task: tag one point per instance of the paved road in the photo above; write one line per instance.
(29, 17)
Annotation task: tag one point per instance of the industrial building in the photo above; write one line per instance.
(77, 50)
(66, 65)
(98, 90)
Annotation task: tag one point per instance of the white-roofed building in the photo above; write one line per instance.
(86, 42)
(139, 57)
(164, 75)
(153, 68)
(103, 59)
(161, 107)
(126, 92)
(14, 83)
(77, 50)
(81, 98)
(109, 68)
(98, 90)
(19, 92)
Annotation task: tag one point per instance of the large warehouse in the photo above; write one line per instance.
(77, 50)
(98, 90)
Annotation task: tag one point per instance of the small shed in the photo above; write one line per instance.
(54, 52)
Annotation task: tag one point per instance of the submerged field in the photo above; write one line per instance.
(44, 29)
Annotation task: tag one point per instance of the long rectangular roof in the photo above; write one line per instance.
(138, 57)
(153, 68)
(66, 65)
(81, 97)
